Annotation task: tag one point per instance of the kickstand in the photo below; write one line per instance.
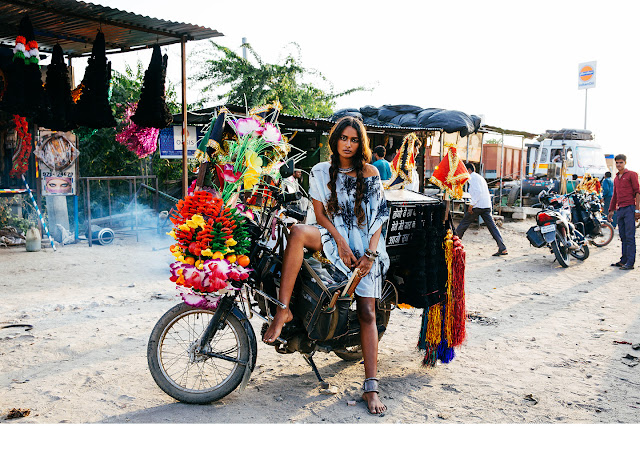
(312, 364)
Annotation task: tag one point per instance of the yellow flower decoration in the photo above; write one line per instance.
(172, 233)
(186, 227)
(230, 242)
(207, 253)
(253, 163)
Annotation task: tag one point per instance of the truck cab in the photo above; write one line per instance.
(582, 154)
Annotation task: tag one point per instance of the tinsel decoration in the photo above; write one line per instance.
(152, 111)
(141, 141)
(459, 305)
(24, 93)
(58, 94)
(93, 109)
(20, 160)
(403, 163)
(451, 174)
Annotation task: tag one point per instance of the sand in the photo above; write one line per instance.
(541, 345)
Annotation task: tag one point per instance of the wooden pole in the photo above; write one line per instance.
(185, 170)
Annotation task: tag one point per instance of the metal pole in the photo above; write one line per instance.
(90, 233)
(244, 49)
(185, 172)
(522, 158)
(585, 108)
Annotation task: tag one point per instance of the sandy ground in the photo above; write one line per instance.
(540, 348)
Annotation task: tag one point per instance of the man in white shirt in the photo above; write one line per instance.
(480, 205)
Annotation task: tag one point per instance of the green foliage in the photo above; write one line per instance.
(264, 82)
(492, 141)
(8, 219)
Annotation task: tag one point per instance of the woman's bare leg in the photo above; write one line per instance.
(301, 236)
(366, 307)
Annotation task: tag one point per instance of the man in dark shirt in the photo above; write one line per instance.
(626, 202)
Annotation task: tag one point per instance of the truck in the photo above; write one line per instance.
(576, 147)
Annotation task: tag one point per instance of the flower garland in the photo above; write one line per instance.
(211, 244)
(20, 161)
(142, 141)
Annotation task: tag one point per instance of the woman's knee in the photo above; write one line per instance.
(305, 235)
(366, 309)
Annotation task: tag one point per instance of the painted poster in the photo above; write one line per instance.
(61, 182)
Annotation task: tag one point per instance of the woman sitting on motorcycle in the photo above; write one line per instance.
(349, 210)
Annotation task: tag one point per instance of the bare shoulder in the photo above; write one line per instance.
(370, 170)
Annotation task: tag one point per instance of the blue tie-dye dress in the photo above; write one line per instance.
(345, 221)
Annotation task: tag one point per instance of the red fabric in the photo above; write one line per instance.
(625, 189)
(451, 174)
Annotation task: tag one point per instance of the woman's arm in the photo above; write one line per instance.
(344, 251)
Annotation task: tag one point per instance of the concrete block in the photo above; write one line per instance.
(519, 216)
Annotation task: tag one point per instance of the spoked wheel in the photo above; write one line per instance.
(560, 251)
(387, 302)
(184, 373)
(606, 235)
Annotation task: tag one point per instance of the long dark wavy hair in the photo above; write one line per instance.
(360, 158)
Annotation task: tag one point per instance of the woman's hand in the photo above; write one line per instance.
(364, 265)
(345, 253)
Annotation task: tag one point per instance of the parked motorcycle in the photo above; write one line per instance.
(555, 230)
(200, 355)
(586, 215)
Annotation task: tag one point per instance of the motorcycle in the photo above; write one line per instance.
(586, 215)
(555, 230)
(199, 355)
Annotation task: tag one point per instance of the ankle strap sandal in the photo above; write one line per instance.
(371, 385)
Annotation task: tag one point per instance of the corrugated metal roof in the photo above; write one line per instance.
(74, 24)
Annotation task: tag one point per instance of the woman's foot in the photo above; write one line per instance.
(374, 404)
(283, 315)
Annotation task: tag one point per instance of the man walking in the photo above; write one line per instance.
(625, 201)
(384, 168)
(480, 205)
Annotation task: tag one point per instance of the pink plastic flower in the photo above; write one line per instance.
(271, 133)
(226, 174)
(247, 126)
(219, 269)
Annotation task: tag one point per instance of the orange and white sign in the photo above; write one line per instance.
(587, 75)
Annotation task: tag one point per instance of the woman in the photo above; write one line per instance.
(349, 210)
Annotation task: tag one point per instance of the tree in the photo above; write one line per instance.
(263, 83)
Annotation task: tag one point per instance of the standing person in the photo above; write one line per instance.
(383, 166)
(349, 210)
(607, 192)
(625, 201)
(480, 205)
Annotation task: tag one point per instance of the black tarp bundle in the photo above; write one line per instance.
(411, 116)
(93, 109)
(61, 113)
(152, 111)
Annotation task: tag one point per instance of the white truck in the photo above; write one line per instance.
(544, 161)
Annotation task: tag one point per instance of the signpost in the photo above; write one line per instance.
(586, 80)
(171, 140)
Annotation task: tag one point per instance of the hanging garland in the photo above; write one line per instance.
(20, 161)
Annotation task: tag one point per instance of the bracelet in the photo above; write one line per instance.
(371, 252)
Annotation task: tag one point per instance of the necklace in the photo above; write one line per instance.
(346, 170)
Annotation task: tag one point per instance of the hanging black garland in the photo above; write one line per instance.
(93, 109)
(58, 93)
(152, 111)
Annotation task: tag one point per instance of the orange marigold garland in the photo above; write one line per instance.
(20, 161)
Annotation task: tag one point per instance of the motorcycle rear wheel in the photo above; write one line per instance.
(387, 302)
(560, 251)
(189, 377)
(606, 235)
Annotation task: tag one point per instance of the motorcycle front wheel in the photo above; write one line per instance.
(560, 251)
(582, 253)
(606, 235)
(189, 376)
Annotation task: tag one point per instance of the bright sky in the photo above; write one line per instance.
(516, 63)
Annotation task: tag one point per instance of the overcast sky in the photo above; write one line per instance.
(516, 63)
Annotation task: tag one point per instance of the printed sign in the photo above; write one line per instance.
(170, 141)
(61, 182)
(402, 224)
(587, 75)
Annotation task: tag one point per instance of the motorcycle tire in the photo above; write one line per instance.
(581, 254)
(190, 378)
(387, 302)
(606, 235)
(560, 251)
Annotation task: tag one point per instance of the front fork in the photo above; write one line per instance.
(217, 321)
